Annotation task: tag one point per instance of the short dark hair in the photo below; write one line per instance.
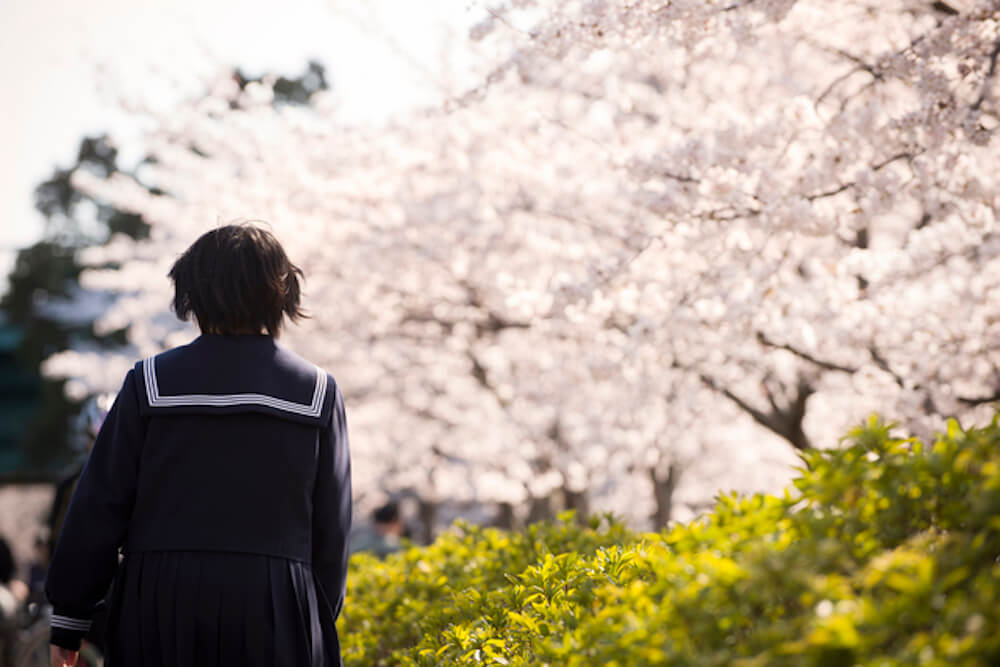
(388, 513)
(237, 279)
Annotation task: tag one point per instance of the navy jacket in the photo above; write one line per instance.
(230, 443)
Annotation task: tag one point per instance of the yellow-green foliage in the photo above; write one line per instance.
(886, 553)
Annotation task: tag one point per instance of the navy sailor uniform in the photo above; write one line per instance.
(222, 474)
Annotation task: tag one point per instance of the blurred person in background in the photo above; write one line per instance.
(38, 568)
(13, 591)
(12, 595)
(222, 472)
(383, 537)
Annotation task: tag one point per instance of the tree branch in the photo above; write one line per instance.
(861, 66)
(877, 167)
(944, 8)
(929, 405)
(989, 76)
(495, 322)
(758, 416)
(980, 400)
(883, 363)
(826, 365)
(783, 422)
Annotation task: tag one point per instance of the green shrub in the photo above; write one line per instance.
(885, 553)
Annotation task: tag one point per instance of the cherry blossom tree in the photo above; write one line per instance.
(650, 225)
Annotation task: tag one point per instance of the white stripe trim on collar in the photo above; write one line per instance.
(156, 400)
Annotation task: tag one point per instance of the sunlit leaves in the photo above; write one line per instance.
(852, 569)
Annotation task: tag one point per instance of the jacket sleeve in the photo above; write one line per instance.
(86, 554)
(332, 507)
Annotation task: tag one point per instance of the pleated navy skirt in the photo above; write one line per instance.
(214, 609)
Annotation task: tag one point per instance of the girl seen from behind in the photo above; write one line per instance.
(222, 474)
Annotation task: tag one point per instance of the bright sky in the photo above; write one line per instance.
(64, 64)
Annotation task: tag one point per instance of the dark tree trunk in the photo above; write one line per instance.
(663, 493)
(427, 513)
(578, 501)
(505, 519)
(540, 509)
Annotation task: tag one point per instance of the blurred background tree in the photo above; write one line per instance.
(45, 310)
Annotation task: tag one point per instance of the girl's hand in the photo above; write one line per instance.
(62, 657)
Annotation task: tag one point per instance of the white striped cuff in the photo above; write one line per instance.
(70, 623)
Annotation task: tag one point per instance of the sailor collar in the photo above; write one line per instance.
(232, 374)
